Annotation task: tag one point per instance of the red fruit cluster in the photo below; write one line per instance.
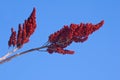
(12, 39)
(25, 30)
(75, 32)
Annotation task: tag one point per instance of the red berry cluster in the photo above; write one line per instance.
(68, 34)
(24, 32)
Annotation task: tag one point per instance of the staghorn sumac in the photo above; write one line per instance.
(57, 41)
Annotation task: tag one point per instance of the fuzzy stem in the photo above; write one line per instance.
(21, 53)
(8, 54)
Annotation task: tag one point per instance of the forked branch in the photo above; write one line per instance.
(6, 58)
(57, 42)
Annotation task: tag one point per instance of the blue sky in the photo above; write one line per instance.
(96, 59)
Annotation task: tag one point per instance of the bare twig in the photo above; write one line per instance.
(21, 53)
(8, 54)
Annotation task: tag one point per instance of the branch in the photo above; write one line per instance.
(57, 41)
(6, 58)
(8, 54)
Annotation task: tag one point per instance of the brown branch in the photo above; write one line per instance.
(24, 52)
